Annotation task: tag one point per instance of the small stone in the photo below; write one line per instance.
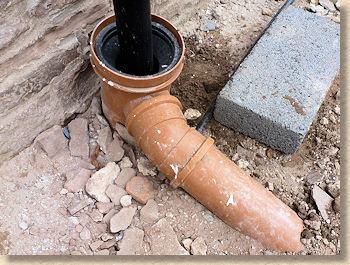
(320, 10)
(187, 243)
(146, 167)
(209, 218)
(109, 243)
(124, 177)
(79, 228)
(102, 252)
(324, 121)
(76, 205)
(78, 182)
(79, 138)
(105, 237)
(192, 114)
(327, 4)
(267, 12)
(115, 193)
(315, 224)
(322, 200)
(23, 225)
(85, 234)
(131, 244)
(337, 110)
(125, 163)
(95, 245)
(104, 138)
(313, 177)
(125, 201)
(106, 219)
(336, 204)
(52, 141)
(243, 164)
(163, 240)
(124, 134)
(99, 181)
(149, 212)
(104, 207)
(307, 234)
(63, 191)
(122, 220)
(74, 220)
(96, 215)
(333, 189)
(333, 151)
(270, 186)
(198, 247)
(114, 151)
(141, 189)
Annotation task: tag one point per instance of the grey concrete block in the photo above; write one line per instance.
(278, 89)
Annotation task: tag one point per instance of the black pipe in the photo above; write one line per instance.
(203, 123)
(134, 30)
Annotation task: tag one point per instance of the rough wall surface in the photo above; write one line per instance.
(45, 76)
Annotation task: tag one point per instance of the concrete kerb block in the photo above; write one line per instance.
(276, 92)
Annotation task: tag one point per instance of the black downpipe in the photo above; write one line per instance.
(134, 30)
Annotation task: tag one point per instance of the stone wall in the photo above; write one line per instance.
(45, 76)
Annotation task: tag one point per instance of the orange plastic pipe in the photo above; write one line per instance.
(191, 160)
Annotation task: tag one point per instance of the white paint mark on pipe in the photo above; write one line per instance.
(221, 162)
(110, 83)
(158, 131)
(175, 168)
(230, 201)
(104, 79)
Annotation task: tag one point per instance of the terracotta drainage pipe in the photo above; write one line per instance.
(186, 157)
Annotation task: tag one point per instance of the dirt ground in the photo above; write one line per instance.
(32, 196)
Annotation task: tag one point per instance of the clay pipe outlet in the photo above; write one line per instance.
(186, 157)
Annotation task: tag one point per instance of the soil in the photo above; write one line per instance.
(31, 184)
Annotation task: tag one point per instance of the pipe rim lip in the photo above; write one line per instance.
(135, 84)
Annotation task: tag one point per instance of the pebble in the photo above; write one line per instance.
(332, 119)
(106, 219)
(108, 243)
(122, 219)
(95, 245)
(23, 225)
(209, 218)
(141, 189)
(149, 212)
(74, 220)
(315, 224)
(124, 177)
(324, 121)
(105, 237)
(104, 138)
(322, 200)
(104, 207)
(96, 215)
(100, 180)
(163, 240)
(337, 110)
(115, 193)
(192, 114)
(327, 4)
(85, 234)
(267, 12)
(313, 177)
(187, 243)
(146, 167)
(125, 200)
(124, 134)
(243, 164)
(79, 138)
(132, 242)
(79, 228)
(198, 247)
(63, 191)
(125, 163)
(270, 186)
(115, 152)
(333, 189)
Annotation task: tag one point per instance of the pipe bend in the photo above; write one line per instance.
(192, 162)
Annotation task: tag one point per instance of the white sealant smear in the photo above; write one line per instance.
(158, 131)
(230, 200)
(175, 168)
(110, 83)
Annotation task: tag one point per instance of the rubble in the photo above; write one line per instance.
(132, 242)
(146, 167)
(78, 181)
(198, 247)
(52, 141)
(122, 219)
(192, 114)
(124, 177)
(104, 138)
(99, 181)
(115, 193)
(149, 212)
(114, 151)
(141, 189)
(77, 204)
(125, 201)
(323, 201)
(79, 139)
